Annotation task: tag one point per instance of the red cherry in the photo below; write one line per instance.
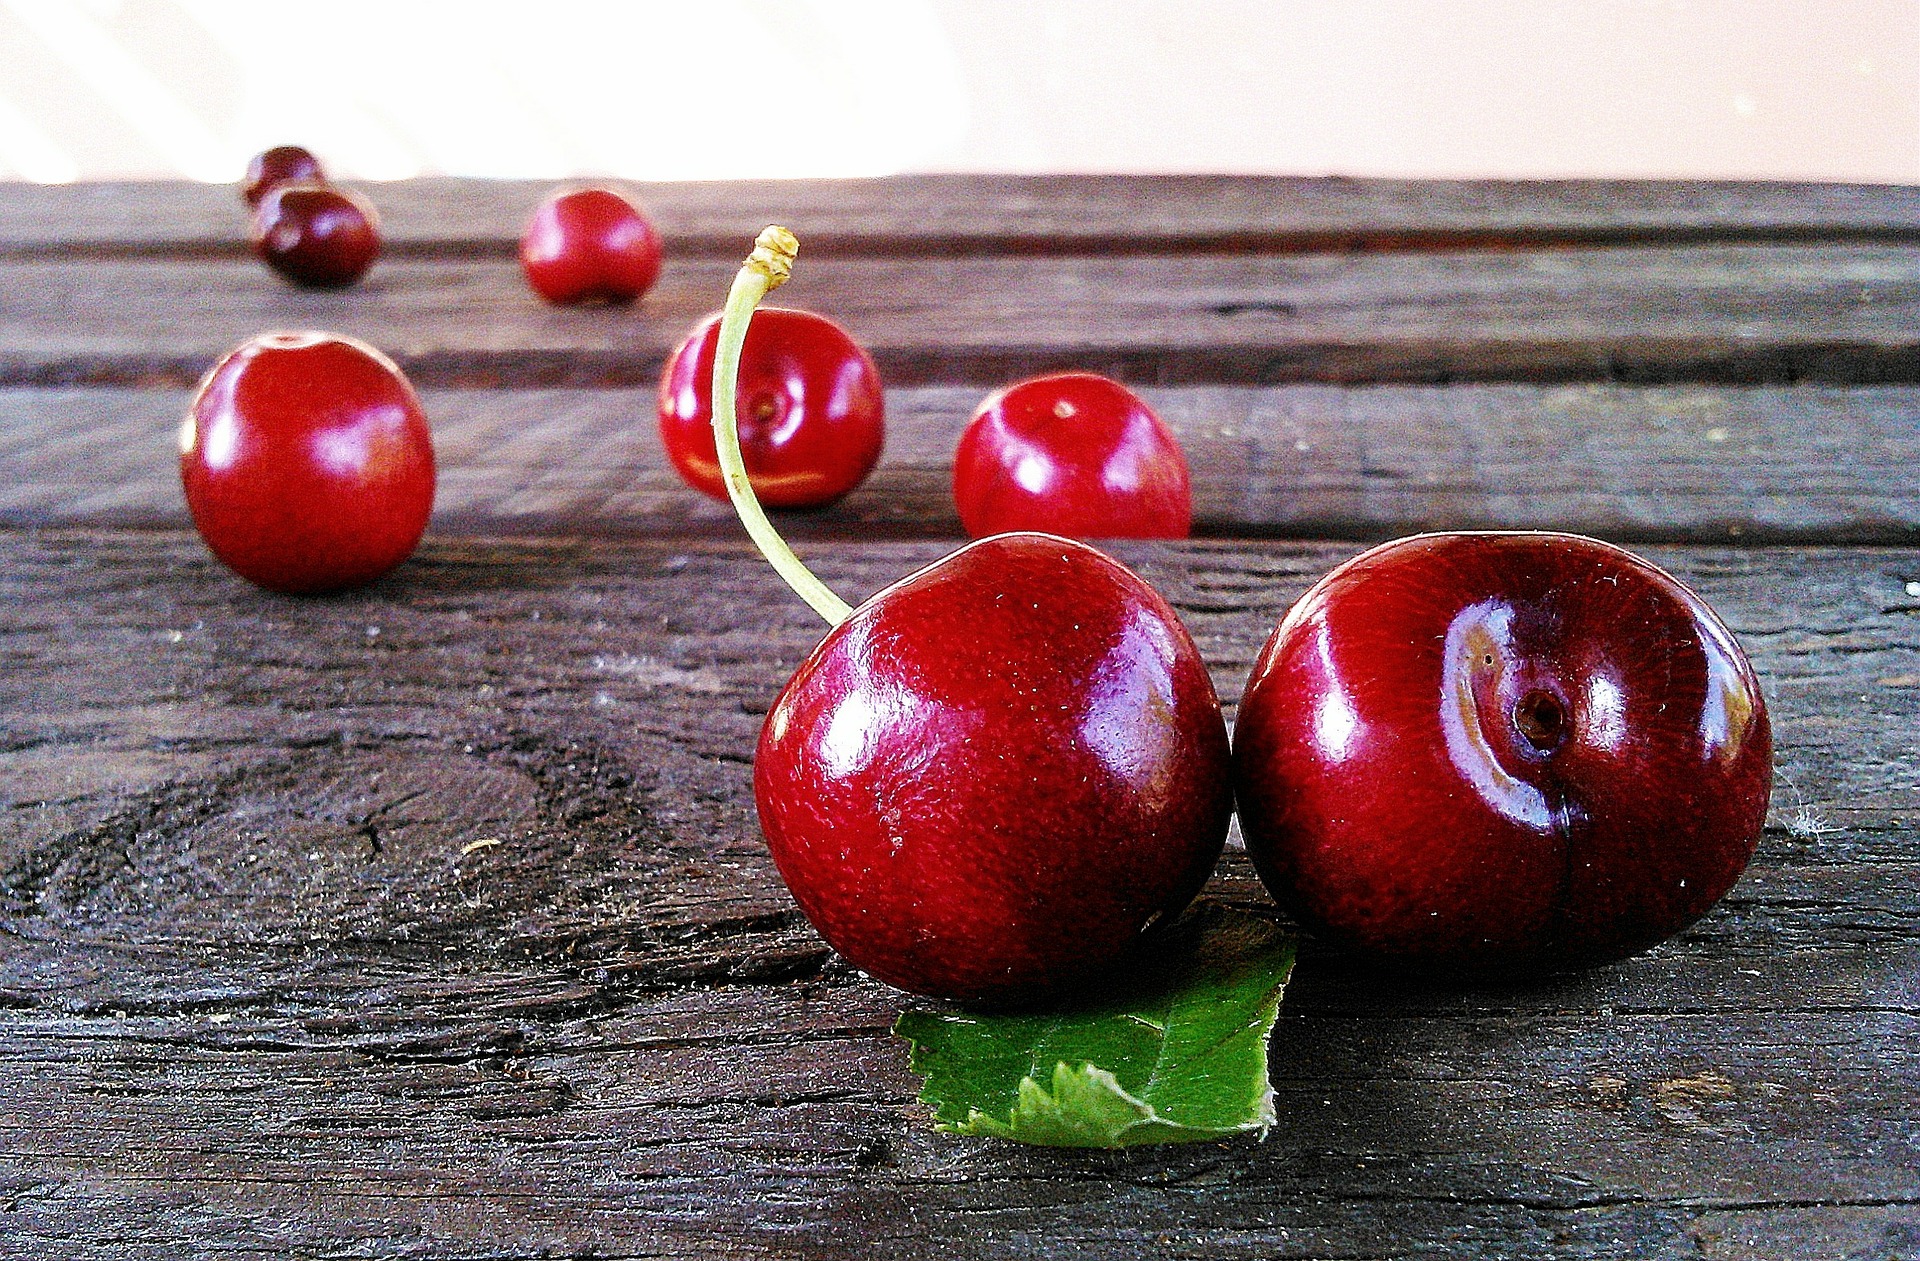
(590, 245)
(1504, 751)
(282, 164)
(991, 777)
(812, 417)
(1073, 454)
(986, 781)
(315, 234)
(307, 462)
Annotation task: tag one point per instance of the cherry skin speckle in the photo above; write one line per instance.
(995, 773)
(589, 245)
(1075, 454)
(1501, 752)
(812, 415)
(316, 235)
(282, 164)
(307, 462)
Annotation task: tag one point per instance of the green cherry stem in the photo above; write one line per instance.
(765, 270)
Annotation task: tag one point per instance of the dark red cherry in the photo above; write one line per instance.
(307, 463)
(1515, 752)
(1074, 454)
(589, 245)
(282, 164)
(812, 417)
(316, 234)
(985, 782)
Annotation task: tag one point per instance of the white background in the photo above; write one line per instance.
(1795, 89)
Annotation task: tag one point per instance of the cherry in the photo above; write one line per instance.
(589, 245)
(1514, 752)
(992, 776)
(315, 234)
(282, 164)
(307, 462)
(812, 416)
(1072, 453)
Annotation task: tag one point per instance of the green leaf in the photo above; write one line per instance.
(1173, 1051)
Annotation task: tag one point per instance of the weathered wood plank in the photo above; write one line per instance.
(996, 214)
(1756, 464)
(1722, 313)
(256, 1000)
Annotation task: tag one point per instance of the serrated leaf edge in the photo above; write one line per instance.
(1036, 1103)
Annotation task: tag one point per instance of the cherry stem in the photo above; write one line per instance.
(765, 270)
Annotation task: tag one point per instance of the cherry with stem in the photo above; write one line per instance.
(990, 778)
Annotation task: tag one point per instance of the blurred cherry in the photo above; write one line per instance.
(282, 164)
(1073, 454)
(316, 235)
(307, 462)
(589, 245)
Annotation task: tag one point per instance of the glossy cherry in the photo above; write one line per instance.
(589, 245)
(307, 462)
(282, 164)
(316, 235)
(1072, 453)
(989, 778)
(812, 415)
(1512, 752)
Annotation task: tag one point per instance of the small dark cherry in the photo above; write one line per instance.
(282, 164)
(307, 462)
(990, 778)
(316, 235)
(812, 414)
(1501, 752)
(1073, 453)
(589, 245)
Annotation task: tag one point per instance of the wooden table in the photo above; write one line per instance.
(433, 920)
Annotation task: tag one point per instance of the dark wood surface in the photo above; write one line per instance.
(433, 921)
(1838, 313)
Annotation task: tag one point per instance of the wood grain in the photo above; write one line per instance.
(432, 921)
(1673, 463)
(986, 214)
(1843, 314)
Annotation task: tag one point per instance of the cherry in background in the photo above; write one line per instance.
(1074, 454)
(307, 462)
(589, 245)
(1509, 752)
(812, 415)
(316, 235)
(282, 164)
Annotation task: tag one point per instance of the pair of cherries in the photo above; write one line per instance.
(580, 245)
(1507, 752)
(1070, 453)
(314, 233)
